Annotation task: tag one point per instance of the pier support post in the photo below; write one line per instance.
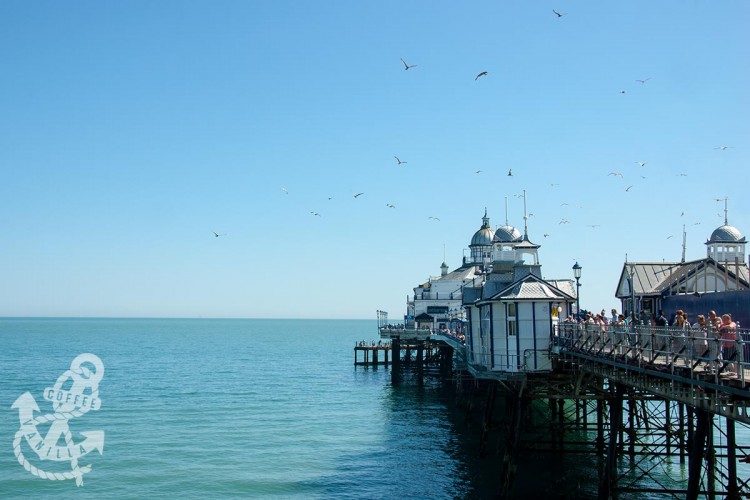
(695, 459)
(396, 355)
(608, 477)
(733, 492)
(487, 420)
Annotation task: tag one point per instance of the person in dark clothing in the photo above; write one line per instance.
(661, 320)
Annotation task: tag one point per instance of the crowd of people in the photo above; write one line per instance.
(712, 338)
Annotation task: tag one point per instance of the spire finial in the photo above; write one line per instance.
(525, 218)
(726, 211)
(506, 211)
(485, 219)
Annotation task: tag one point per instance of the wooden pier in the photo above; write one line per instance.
(626, 404)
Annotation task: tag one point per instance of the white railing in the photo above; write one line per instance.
(688, 352)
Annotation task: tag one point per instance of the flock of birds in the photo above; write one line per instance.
(481, 74)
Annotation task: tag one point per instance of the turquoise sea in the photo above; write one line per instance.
(234, 408)
(252, 408)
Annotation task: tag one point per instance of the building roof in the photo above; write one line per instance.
(653, 278)
(726, 234)
(531, 287)
(507, 234)
(483, 236)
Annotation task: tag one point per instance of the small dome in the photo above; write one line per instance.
(507, 234)
(726, 234)
(483, 236)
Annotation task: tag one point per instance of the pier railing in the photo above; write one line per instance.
(698, 354)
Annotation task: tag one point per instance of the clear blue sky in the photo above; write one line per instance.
(131, 131)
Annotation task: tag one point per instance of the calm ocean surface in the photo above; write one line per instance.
(233, 408)
(251, 409)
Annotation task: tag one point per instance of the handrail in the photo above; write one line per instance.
(692, 353)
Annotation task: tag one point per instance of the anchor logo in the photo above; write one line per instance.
(75, 393)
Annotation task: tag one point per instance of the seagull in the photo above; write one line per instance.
(483, 73)
(643, 81)
(564, 204)
(216, 235)
(628, 188)
(564, 221)
(593, 226)
(641, 163)
(407, 66)
(558, 14)
(330, 198)
(670, 236)
(285, 191)
(554, 184)
(398, 160)
(315, 213)
(681, 175)
(433, 218)
(622, 92)
(358, 195)
(510, 172)
(696, 223)
(390, 205)
(724, 148)
(478, 172)
(682, 214)
(545, 235)
(616, 174)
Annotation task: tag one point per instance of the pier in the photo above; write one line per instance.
(635, 395)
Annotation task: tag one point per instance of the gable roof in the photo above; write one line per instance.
(653, 278)
(531, 287)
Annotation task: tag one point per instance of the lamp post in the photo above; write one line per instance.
(577, 274)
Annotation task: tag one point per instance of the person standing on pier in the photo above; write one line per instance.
(728, 336)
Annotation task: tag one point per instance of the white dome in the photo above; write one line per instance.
(726, 234)
(507, 234)
(483, 236)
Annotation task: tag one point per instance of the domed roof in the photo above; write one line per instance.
(483, 236)
(507, 234)
(726, 234)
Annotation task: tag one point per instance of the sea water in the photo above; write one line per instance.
(251, 408)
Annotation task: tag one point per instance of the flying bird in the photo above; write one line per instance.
(510, 172)
(670, 236)
(358, 195)
(390, 205)
(593, 226)
(545, 235)
(558, 14)
(724, 148)
(682, 175)
(399, 160)
(216, 235)
(643, 81)
(564, 221)
(628, 188)
(407, 66)
(433, 218)
(315, 213)
(617, 174)
(483, 73)
(641, 163)
(285, 190)
(478, 172)
(622, 92)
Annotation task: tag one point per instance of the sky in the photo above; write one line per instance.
(133, 132)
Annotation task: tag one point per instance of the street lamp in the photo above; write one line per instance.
(577, 274)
